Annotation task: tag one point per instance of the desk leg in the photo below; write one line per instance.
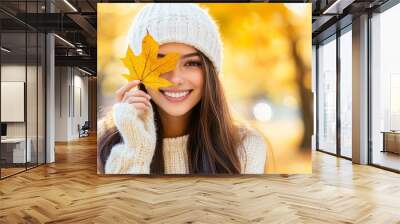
(384, 142)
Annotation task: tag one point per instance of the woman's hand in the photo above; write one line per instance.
(133, 116)
(138, 98)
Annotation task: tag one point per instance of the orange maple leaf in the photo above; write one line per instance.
(147, 67)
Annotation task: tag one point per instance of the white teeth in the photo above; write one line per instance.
(176, 94)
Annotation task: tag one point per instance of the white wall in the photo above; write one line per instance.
(71, 94)
(61, 103)
(80, 109)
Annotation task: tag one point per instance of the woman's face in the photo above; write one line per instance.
(188, 78)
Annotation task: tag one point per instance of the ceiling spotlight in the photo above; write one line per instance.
(65, 41)
(70, 5)
(84, 71)
(337, 7)
(5, 50)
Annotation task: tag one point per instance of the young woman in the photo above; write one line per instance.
(186, 128)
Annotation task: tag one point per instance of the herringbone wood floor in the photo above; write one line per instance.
(70, 191)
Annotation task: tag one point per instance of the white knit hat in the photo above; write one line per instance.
(181, 23)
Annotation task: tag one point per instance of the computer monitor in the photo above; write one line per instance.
(3, 129)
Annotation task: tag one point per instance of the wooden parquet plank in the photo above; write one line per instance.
(70, 191)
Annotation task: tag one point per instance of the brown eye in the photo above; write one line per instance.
(193, 63)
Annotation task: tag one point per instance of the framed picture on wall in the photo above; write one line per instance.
(12, 101)
(195, 89)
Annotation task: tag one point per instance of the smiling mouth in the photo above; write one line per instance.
(176, 96)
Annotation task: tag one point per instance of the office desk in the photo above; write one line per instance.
(16, 147)
(391, 141)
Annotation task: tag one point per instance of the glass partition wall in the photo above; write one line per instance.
(334, 93)
(334, 99)
(327, 95)
(22, 77)
(385, 90)
(345, 62)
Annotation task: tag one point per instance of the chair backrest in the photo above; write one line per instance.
(86, 124)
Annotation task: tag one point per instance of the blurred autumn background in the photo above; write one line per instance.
(266, 71)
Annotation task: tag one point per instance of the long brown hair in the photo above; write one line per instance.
(213, 141)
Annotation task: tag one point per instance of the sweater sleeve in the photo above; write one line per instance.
(254, 156)
(136, 152)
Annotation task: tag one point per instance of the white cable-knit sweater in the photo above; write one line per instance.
(134, 155)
